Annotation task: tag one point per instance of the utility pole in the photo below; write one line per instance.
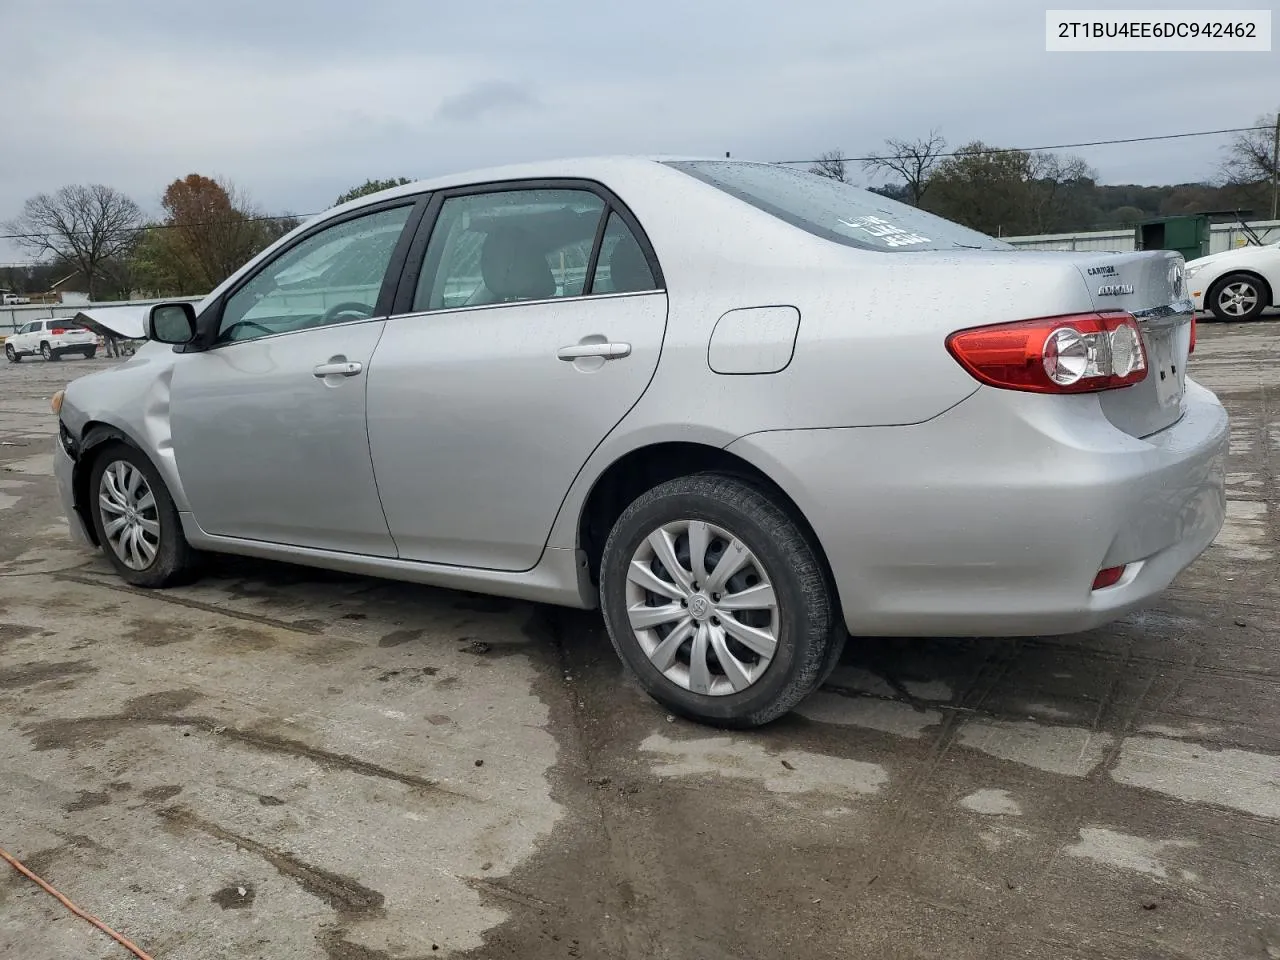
(1275, 169)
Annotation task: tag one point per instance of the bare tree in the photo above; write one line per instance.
(1251, 162)
(832, 166)
(912, 160)
(1056, 184)
(86, 226)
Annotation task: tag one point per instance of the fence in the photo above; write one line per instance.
(1222, 236)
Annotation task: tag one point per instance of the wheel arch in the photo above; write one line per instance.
(643, 468)
(93, 438)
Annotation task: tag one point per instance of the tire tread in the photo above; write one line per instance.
(819, 648)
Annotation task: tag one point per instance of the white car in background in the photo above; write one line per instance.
(50, 339)
(1236, 284)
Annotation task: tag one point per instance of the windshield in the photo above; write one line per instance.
(835, 211)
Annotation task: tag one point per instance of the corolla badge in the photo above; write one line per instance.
(1115, 289)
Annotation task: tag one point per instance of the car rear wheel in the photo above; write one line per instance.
(46, 351)
(1238, 296)
(11, 354)
(136, 521)
(718, 602)
(90, 354)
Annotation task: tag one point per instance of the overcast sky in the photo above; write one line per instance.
(297, 100)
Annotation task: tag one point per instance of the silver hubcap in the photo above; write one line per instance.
(1237, 299)
(130, 520)
(702, 608)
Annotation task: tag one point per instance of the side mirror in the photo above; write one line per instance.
(171, 323)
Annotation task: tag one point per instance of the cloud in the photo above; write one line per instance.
(298, 100)
(482, 99)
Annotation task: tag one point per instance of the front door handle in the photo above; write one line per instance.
(337, 368)
(609, 351)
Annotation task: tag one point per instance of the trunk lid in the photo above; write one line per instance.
(1151, 286)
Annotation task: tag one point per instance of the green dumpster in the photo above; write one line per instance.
(1189, 235)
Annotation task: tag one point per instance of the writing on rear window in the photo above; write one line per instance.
(886, 231)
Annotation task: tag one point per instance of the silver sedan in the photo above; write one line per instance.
(746, 411)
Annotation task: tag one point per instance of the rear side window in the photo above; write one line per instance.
(836, 211)
(509, 246)
(623, 267)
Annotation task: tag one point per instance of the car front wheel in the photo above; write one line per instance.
(718, 602)
(1237, 296)
(11, 354)
(136, 521)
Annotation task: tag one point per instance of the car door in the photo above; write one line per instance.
(527, 325)
(29, 339)
(20, 338)
(268, 423)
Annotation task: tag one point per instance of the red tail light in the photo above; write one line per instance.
(1078, 353)
(1192, 348)
(1108, 577)
(58, 331)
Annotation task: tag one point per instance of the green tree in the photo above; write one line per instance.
(209, 230)
(1011, 192)
(371, 186)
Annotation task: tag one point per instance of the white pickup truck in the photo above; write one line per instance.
(52, 339)
(12, 300)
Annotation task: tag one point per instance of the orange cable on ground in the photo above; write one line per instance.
(123, 941)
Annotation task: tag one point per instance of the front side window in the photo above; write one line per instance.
(836, 211)
(333, 276)
(507, 247)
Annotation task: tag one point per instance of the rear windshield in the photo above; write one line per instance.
(835, 211)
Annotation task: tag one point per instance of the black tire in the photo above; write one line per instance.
(1252, 285)
(46, 351)
(12, 355)
(809, 632)
(174, 562)
(90, 354)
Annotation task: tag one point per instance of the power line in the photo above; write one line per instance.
(954, 153)
(159, 226)
(1056, 146)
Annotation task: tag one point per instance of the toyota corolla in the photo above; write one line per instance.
(745, 411)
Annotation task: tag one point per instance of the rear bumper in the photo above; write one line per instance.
(994, 518)
(60, 345)
(64, 472)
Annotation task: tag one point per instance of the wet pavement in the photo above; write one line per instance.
(282, 763)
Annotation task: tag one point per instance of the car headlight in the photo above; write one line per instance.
(1191, 271)
(55, 402)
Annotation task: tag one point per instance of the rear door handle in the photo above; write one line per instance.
(610, 351)
(337, 368)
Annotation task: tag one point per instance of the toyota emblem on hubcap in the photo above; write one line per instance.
(698, 607)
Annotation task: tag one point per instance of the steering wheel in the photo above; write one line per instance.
(350, 306)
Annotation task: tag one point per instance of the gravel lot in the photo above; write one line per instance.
(281, 763)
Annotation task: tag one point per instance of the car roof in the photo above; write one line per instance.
(583, 168)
